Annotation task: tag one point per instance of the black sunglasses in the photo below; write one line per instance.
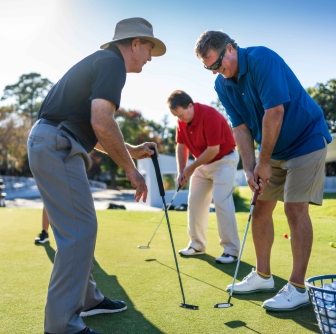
(218, 63)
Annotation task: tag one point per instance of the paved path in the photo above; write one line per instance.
(102, 199)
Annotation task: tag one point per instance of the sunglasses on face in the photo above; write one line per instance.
(218, 63)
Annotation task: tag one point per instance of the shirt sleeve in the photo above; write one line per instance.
(179, 136)
(269, 72)
(108, 79)
(234, 116)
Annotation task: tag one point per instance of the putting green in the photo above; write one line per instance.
(146, 279)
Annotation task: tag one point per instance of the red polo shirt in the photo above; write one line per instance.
(208, 128)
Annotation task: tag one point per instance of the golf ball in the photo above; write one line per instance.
(331, 312)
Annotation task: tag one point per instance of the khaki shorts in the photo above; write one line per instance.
(297, 180)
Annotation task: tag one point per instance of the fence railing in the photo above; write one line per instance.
(18, 183)
(330, 184)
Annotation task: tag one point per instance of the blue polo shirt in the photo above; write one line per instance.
(265, 81)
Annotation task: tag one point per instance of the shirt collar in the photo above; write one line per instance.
(195, 120)
(116, 50)
(242, 65)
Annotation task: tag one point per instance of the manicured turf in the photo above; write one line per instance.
(147, 280)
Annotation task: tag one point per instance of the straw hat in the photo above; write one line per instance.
(137, 27)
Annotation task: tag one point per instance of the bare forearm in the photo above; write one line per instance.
(245, 143)
(144, 150)
(112, 141)
(182, 157)
(130, 148)
(109, 137)
(206, 156)
(271, 127)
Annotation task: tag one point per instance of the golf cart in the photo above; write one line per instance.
(2, 194)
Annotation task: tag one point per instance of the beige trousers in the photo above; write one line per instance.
(214, 180)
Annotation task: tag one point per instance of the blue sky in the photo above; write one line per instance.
(49, 36)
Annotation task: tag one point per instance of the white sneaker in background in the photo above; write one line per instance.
(226, 258)
(189, 251)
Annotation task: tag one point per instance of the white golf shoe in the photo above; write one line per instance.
(287, 299)
(226, 258)
(252, 283)
(189, 251)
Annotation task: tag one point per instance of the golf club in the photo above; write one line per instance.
(253, 203)
(171, 202)
(162, 194)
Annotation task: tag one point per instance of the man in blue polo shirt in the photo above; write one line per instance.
(266, 103)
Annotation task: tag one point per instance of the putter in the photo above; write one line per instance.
(162, 194)
(171, 202)
(253, 203)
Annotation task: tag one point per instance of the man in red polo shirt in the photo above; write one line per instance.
(204, 132)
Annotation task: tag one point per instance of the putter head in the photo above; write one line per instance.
(223, 305)
(143, 247)
(190, 307)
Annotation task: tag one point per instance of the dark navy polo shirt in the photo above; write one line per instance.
(265, 81)
(101, 75)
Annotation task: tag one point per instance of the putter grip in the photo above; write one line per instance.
(158, 174)
(255, 196)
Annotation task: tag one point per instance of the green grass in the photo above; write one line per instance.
(147, 280)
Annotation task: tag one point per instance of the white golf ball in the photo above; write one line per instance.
(324, 320)
(322, 311)
(320, 303)
(328, 286)
(326, 328)
(328, 321)
(331, 314)
(328, 298)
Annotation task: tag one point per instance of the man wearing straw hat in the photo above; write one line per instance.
(76, 116)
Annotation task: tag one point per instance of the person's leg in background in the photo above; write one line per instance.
(198, 212)
(223, 174)
(44, 235)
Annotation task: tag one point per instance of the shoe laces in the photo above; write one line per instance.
(252, 274)
(286, 290)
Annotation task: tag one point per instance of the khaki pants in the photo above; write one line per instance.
(214, 180)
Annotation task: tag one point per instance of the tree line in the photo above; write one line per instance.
(24, 100)
(25, 97)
